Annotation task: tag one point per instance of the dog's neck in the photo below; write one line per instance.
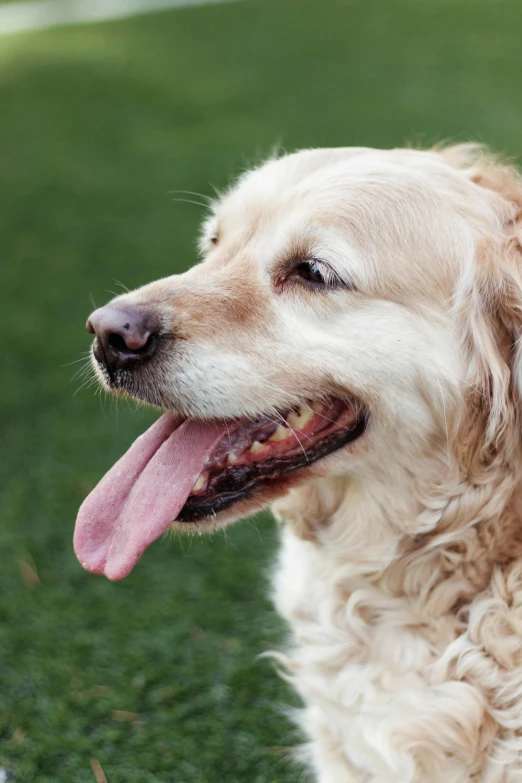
(385, 524)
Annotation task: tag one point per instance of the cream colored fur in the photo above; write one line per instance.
(400, 571)
(406, 596)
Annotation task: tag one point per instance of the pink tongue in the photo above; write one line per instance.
(136, 501)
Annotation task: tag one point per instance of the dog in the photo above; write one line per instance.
(349, 351)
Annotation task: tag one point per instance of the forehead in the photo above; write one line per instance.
(318, 180)
(346, 189)
(372, 209)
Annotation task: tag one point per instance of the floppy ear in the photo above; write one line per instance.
(498, 285)
(489, 300)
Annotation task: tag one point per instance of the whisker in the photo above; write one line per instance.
(285, 423)
(191, 201)
(88, 383)
(85, 370)
(258, 378)
(208, 199)
(127, 290)
(82, 359)
(219, 193)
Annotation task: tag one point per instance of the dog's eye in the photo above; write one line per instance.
(311, 272)
(316, 274)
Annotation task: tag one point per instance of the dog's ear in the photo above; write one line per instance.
(497, 332)
(489, 298)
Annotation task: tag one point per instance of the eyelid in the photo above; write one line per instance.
(331, 278)
(287, 275)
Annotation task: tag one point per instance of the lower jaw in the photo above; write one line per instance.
(246, 481)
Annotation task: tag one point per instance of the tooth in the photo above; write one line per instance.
(300, 418)
(200, 483)
(281, 433)
(232, 458)
(318, 407)
(256, 447)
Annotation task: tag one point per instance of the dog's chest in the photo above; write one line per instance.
(343, 619)
(362, 666)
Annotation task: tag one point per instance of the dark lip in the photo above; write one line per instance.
(241, 483)
(129, 382)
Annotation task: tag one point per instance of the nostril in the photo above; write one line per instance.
(119, 345)
(150, 345)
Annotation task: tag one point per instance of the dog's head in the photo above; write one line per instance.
(356, 314)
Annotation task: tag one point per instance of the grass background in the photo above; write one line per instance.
(156, 677)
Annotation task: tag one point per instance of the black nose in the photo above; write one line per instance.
(125, 337)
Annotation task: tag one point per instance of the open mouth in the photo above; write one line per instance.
(191, 470)
(254, 454)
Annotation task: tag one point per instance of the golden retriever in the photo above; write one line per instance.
(349, 350)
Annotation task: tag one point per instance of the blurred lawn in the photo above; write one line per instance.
(99, 123)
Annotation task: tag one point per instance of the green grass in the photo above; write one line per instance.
(99, 123)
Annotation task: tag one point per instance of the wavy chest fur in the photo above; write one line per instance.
(408, 656)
